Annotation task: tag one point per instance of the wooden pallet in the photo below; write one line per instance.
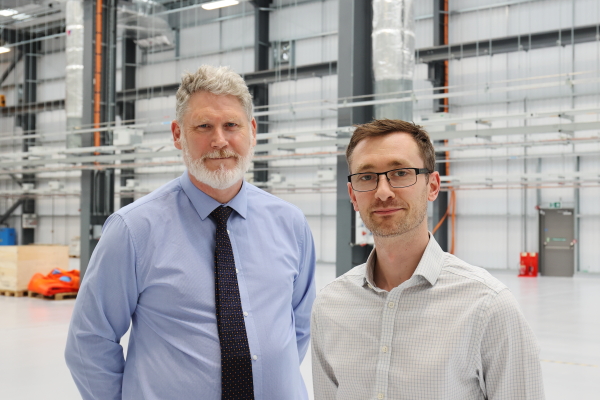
(57, 296)
(14, 293)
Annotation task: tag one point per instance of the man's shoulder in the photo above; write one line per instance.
(343, 287)
(151, 202)
(258, 198)
(471, 274)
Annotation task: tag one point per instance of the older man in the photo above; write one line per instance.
(414, 322)
(214, 275)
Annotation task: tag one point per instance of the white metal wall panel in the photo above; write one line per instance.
(241, 61)
(588, 242)
(298, 21)
(51, 90)
(51, 66)
(423, 8)
(50, 122)
(200, 39)
(156, 74)
(330, 11)
(423, 32)
(517, 19)
(156, 109)
(236, 33)
(587, 12)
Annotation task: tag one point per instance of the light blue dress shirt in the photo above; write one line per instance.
(154, 268)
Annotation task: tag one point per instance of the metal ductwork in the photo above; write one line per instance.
(393, 56)
(148, 20)
(74, 70)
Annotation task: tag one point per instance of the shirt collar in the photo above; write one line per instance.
(429, 266)
(204, 204)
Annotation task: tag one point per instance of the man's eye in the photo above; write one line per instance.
(365, 177)
(400, 173)
(231, 124)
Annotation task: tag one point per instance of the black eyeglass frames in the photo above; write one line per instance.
(397, 178)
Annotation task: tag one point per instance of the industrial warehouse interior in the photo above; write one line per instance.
(509, 92)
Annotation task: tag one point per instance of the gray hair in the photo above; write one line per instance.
(215, 80)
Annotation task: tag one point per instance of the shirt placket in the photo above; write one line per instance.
(388, 318)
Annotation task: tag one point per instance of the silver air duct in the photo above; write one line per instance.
(393, 56)
(74, 70)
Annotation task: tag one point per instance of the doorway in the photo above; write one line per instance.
(557, 242)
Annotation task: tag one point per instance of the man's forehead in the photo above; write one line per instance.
(391, 164)
(205, 106)
(394, 149)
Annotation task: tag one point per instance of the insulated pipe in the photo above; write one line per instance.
(74, 69)
(98, 71)
(393, 41)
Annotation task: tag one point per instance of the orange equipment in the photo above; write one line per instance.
(57, 281)
(529, 265)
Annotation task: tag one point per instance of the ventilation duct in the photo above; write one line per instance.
(393, 56)
(147, 22)
(74, 69)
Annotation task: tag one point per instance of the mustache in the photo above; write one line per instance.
(223, 153)
(387, 204)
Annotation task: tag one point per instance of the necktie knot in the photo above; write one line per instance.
(221, 214)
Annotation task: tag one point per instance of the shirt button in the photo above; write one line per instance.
(380, 396)
(245, 314)
(255, 357)
(391, 304)
(384, 349)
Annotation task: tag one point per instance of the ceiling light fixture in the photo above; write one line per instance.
(4, 49)
(219, 4)
(21, 17)
(7, 12)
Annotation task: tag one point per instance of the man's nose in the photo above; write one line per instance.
(384, 191)
(218, 140)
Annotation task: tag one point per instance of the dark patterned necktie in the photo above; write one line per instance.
(236, 365)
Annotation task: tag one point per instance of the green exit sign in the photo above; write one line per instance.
(555, 204)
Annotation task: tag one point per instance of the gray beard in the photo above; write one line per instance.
(222, 178)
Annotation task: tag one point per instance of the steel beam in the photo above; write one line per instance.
(355, 78)
(260, 91)
(508, 44)
(127, 107)
(437, 71)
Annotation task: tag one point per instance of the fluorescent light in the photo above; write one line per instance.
(4, 49)
(21, 17)
(7, 12)
(219, 4)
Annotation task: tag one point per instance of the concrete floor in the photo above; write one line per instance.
(563, 312)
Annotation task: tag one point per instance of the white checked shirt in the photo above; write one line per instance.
(452, 331)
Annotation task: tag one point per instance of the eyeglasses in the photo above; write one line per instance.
(397, 178)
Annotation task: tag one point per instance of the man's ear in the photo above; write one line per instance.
(352, 197)
(176, 131)
(433, 186)
(253, 133)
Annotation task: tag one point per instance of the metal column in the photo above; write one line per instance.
(27, 121)
(127, 107)
(260, 91)
(355, 77)
(437, 75)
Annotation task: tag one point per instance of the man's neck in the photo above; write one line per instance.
(398, 257)
(221, 195)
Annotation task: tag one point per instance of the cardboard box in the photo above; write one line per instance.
(19, 263)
